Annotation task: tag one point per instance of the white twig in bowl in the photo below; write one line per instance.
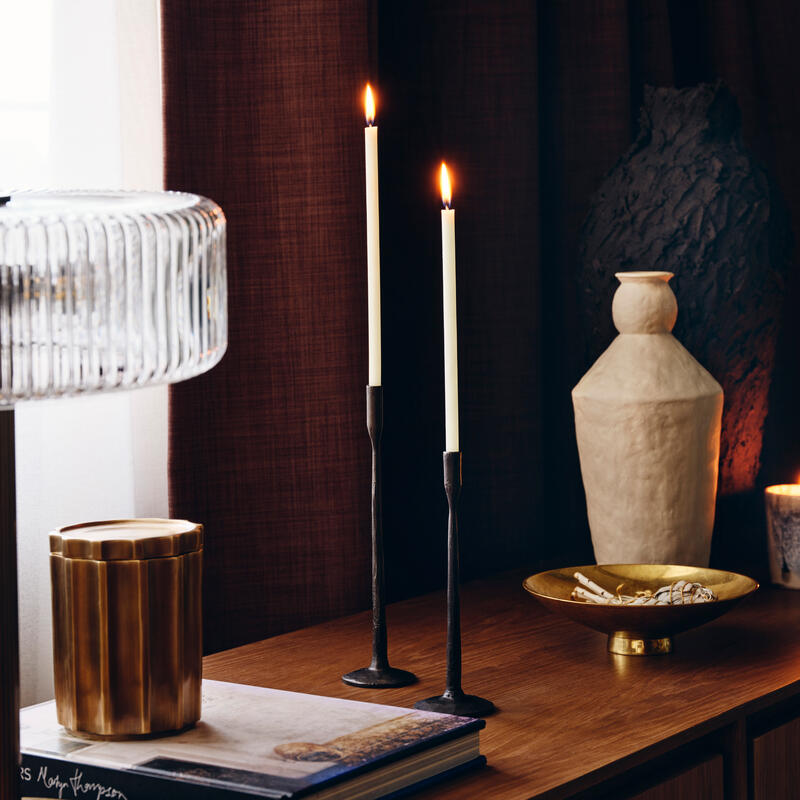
(676, 594)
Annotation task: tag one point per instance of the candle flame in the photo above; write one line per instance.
(444, 182)
(791, 489)
(369, 106)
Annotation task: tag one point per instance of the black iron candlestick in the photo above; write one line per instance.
(378, 675)
(454, 701)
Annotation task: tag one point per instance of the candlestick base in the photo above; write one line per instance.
(458, 703)
(379, 678)
(378, 675)
(453, 700)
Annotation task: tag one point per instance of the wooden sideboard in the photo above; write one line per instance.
(717, 718)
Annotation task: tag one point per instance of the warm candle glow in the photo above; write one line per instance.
(785, 488)
(444, 182)
(369, 106)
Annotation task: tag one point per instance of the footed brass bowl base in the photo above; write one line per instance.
(624, 644)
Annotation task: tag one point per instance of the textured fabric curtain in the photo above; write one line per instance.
(531, 104)
(261, 113)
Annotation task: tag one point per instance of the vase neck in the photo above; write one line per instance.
(644, 303)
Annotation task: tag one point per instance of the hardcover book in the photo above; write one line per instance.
(253, 742)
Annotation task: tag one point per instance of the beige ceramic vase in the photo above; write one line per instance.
(647, 418)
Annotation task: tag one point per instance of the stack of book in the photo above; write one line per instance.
(254, 742)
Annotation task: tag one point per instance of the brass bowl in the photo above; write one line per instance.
(639, 630)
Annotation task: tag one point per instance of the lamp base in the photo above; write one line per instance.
(458, 703)
(379, 678)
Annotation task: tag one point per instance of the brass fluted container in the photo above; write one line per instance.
(127, 632)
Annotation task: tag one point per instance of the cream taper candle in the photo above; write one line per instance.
(373, 241)
(450, 320)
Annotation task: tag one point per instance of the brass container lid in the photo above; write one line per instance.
(127, 539)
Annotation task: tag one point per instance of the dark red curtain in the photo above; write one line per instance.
(261, 114)
(531, 103)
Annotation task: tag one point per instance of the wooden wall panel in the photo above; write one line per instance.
(701, 782)
(776, 763)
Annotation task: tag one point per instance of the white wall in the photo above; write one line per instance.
(81, 109)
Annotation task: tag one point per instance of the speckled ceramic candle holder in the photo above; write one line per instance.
(783, 533)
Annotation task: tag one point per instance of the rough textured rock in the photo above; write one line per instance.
(688, 197)
(647, 419)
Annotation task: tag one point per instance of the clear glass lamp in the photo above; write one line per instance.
(98, 292)
(108, 291)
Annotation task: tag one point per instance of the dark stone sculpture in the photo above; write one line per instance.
(689, 198)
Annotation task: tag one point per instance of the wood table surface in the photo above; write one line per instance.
(569, 713)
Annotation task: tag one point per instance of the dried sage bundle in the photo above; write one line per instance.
(676, 594)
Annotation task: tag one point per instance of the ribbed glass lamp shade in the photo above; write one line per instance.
(111, 290)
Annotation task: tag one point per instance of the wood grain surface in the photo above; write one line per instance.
(570, 714)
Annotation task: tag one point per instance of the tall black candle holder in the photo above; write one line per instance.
(378, 675)
(453, 700)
